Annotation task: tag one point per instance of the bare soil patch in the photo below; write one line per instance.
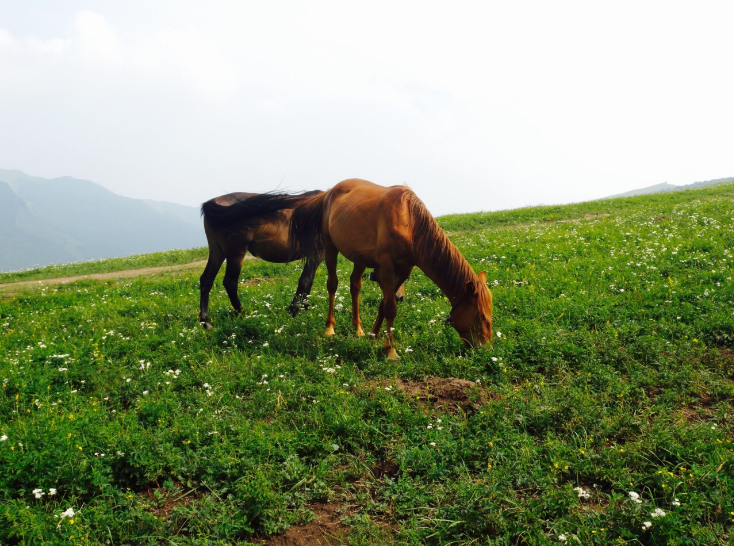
(13, 286)
(441, 393)
(701, 411)
(325, 529)
(166, 500)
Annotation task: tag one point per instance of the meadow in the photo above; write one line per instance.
(601, 414)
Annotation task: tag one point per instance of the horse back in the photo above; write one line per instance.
(365, 221)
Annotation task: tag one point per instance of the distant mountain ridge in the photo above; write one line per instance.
(50, 221)
(665, 187)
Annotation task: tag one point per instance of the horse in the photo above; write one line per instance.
(389, 228)
(259, 223)
(238, 222)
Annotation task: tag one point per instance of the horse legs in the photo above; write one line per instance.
(375, 332)
(388, 281)
(206, 281)
(355, 285)
(305, 282)
(399, 293)
(332, 282)
(231, 279)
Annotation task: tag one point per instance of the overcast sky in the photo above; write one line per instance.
(476, 105)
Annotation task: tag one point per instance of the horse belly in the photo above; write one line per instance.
(270, 253)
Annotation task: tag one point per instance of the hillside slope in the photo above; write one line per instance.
(66, 219)
(601, 414)
(665, 187)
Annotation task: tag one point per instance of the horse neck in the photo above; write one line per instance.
(444, 265)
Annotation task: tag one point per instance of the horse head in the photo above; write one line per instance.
(471, 316)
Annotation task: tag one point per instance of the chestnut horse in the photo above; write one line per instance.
(238, 222)
(390, 229)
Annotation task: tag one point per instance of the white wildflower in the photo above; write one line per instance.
(675, 502)
(635, 497)
(583, 494)
(658, 513)
(646, 525)
(69, 513)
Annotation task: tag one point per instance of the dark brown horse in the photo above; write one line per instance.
(259, 223)
(238, 222)
(390, 229)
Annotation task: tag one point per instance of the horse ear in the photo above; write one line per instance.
(471, 289)
(482, 277)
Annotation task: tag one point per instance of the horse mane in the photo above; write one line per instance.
(433, 248)
(246, 211)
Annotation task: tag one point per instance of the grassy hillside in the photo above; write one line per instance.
(602, 414)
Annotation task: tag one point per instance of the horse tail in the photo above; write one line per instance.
(244, 211)
(306, 229)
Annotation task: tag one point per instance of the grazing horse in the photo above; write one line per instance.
(238, 222)
(390, 229)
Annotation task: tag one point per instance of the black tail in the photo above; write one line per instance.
(244, 211)
(306, 227)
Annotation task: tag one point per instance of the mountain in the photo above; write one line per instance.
(65, 219)
(665, 187)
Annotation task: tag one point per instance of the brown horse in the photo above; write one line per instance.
(390, 229)
(238, 222)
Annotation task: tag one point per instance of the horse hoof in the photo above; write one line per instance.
(208, 327)
(359, 332)
(329, 331)
(392, 354)
(293, 310)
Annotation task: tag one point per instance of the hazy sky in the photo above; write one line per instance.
(475, 105)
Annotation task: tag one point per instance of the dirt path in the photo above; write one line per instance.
(14, 286)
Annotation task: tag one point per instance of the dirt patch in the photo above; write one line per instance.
(701, 411)
(449, 394)
(257, 280)
(166, 500)
(325, 529)
(12, 286)
(728, 356)
(387, 468)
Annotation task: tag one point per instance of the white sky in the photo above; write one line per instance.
(475, 105)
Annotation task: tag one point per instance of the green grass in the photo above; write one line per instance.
(110, 265)
(613, 374)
